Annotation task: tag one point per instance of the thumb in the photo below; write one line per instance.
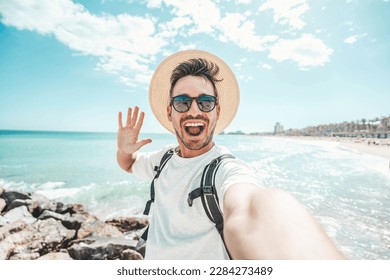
(140, 144)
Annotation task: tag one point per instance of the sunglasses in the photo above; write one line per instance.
(182, 103)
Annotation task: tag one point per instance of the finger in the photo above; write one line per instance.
(140, 121)
(120, 120)
(135, 116)
(128, 120)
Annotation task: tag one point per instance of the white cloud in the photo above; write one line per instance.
(350, 40)
(244, 2)
(173, 27)
(203, 13)
(128, 45)
(239, 64)
(306, 51)
(353, 39)
(245, 78)
(287, 12)
(206, 17)
(236, 28)
(123, 43)
(154, 3)
(265, 66)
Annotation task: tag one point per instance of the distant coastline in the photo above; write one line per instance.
(373, 146)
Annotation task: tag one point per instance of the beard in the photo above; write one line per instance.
(196, 144)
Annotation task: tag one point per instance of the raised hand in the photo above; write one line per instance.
(128, 135)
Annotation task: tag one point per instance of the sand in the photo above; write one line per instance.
(382, 149)
(377, 147)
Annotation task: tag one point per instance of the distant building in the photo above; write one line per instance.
(278, 129)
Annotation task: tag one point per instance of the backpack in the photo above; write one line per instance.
(207, 192)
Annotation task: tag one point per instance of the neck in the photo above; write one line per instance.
(184, 152)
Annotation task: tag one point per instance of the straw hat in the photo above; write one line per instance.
(228, 91)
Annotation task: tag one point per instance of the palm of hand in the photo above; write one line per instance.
(128, 135)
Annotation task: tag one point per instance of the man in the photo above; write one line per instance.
(195, 95)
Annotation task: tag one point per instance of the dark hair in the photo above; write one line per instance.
(196, 67)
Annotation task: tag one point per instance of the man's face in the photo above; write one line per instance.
(194, 128)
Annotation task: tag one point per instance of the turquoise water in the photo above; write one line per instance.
(348, 192)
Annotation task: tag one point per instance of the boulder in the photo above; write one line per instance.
(10, 196)
(105, 249)
(92, 226)
(19, 213)
(35, 239)
(56, 256)
(33, 227)
(2, 205)
(128, 224)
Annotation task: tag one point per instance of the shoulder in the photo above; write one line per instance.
(154, 155)
(234, 171)
(143, 166)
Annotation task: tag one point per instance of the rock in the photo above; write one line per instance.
(105, 249)
(127, 224)
(95, 227)
(20, 213)
(17, 203)
(33, 227)
(11, 228)
(43, 202)
(129, 254)
(46, 214)
(25, 256)
(41, 237)
(7, 245)
(2, 205)
(141, 247)
(3, 221)
(10, 196)
(71, 209)
(56, 256)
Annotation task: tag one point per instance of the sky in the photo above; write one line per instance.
(72, 65)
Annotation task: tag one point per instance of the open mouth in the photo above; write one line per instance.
(194, 129)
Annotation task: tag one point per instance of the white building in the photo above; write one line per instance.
(278, 128)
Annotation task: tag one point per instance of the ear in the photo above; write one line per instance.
(218, 110)
(169, 112)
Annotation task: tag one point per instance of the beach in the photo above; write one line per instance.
(372, 146)
(344, 183)
(378, 147)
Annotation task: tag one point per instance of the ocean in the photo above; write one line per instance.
(348, 192)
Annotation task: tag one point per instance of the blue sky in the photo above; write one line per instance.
(73, 65)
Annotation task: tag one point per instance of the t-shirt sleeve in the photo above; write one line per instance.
(143, 167)
(234, 172)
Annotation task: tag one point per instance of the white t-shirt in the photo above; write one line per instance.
(178, 231)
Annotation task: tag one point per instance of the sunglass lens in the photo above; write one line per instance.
(182, 103)
(206, 103)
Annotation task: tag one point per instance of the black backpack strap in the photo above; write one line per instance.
(158, 170)
(209, 196)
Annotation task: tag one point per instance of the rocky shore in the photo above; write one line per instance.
(34, 227)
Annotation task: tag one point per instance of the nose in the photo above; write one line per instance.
(194, 109)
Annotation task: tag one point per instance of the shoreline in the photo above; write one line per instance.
(372, 146)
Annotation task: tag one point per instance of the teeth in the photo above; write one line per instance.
(193, 124)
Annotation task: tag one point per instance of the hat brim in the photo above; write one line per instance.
(228, 90)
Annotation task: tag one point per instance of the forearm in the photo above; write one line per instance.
(239, 239)
(125, 161)
(271, 224)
